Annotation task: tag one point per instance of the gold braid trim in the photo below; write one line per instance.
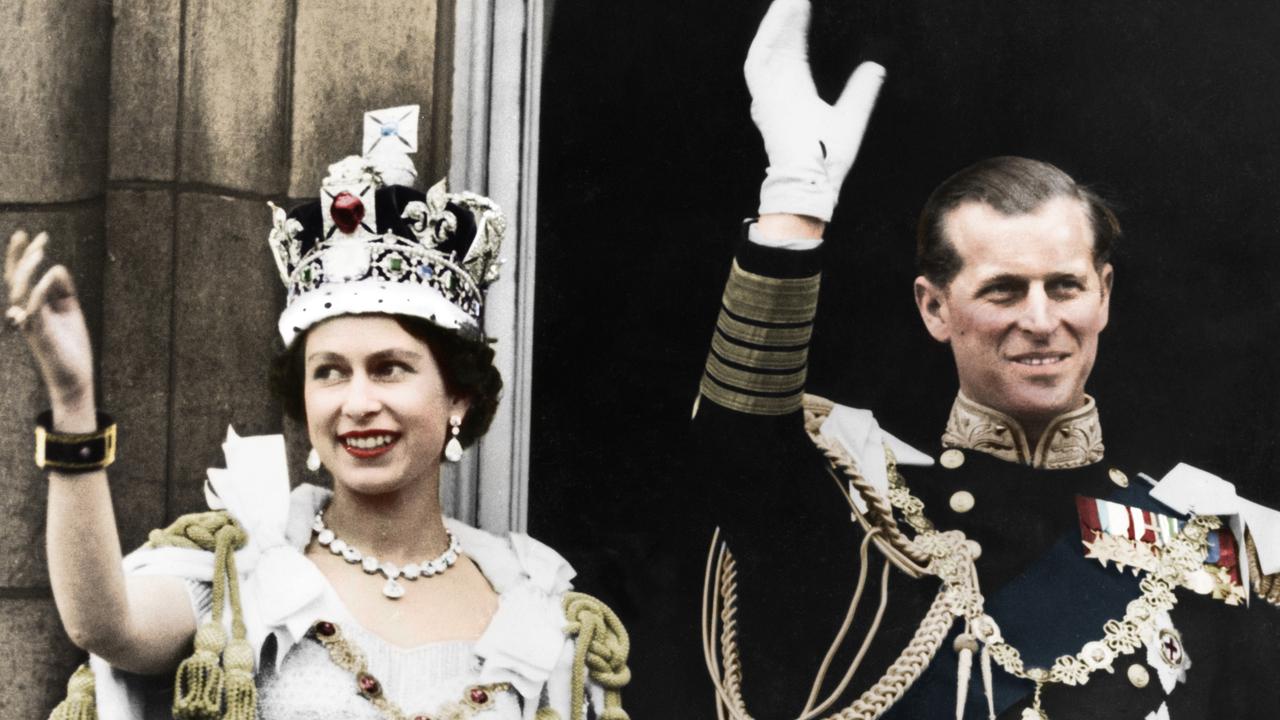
(758, 382)
(750, 404)
(600, 652)
(756, 358)
(792, 337)
(761, 313)
(771, 300)
(1266, 586)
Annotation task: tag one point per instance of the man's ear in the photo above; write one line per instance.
(1107, 277)
(931, 301)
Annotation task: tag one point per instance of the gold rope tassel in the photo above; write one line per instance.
(600, 651)
(79, 704)
(217, 667)
(242, 693)
(197, 688)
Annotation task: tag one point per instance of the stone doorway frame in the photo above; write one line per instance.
(496, 99)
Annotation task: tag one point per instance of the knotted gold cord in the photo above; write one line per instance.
(216, 682)
(600, 651)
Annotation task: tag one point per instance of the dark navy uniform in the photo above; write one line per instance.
(787, 524)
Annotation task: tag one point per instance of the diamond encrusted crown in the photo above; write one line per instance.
(370, 246)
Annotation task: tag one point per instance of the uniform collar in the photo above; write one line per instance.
(1073, 439)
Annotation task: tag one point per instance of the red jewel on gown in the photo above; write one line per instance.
(347, 211)
(368, 684)
(324, 629)
(479, 696)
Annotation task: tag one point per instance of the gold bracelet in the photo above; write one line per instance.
(75, 453)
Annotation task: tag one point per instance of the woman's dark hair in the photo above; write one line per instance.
(1012, 186)
(465, 362)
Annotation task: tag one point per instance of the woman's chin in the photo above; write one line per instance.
(370, 480)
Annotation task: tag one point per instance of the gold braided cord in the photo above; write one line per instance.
(726, 703)
(785, 337)
(728, 593)
(772, 300)
(907, 668)
(810, 711)
(726, 675)
(600, 652)
(216, 682)
(900, 551)
(1266, 586)
(195, 531)
(757, 358)
(948, 558)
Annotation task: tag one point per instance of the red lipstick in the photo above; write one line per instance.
(370, 451)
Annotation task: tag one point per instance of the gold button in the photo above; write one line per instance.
(1118, 477)
(952, 459)
(975, 550)
(962, 501)
(1139, 676)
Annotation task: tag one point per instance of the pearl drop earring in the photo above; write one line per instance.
(453, 448)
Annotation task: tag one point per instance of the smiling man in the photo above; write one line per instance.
(998, 591)
(1016, 279)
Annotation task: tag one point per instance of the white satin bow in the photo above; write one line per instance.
(280, 588)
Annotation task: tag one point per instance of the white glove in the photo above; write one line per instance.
(811, 145)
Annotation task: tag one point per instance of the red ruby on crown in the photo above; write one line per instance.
(479, 696)
(347, 211)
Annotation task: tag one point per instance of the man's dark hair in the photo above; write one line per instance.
(466, 365)
(1012, 186)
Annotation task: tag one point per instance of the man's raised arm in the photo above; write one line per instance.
(758, 356)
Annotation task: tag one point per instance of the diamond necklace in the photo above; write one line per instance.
(412, 571)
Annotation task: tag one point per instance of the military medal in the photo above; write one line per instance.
(1166, 653)
(1135, 539)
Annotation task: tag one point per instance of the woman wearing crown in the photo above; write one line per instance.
(359, 602)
